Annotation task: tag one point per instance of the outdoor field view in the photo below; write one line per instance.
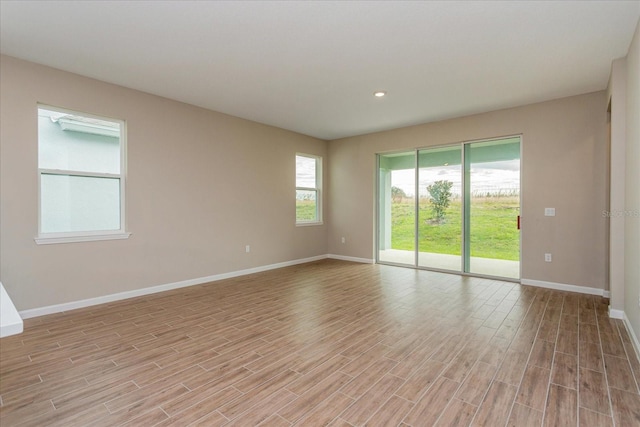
(493, 218)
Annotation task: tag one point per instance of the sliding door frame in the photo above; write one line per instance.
(465, 209)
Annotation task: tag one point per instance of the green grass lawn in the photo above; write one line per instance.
(305, 210)
(493, 228)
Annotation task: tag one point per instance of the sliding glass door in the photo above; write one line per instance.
(492, 235)
(440, 208)
(453, 208)
(396, 208)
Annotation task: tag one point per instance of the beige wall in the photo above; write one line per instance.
(200, 186)
(632, 188)
(564, 165)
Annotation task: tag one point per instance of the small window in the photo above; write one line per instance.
(308, 186)
(81, 162)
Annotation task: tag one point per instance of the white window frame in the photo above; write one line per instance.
(317, 189)
(85, 236)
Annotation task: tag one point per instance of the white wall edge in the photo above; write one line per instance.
(10, 320)
(59, 308)
(563, 287)
(632, 334)
(352, 259)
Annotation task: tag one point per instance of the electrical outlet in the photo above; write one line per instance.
(547, 257)
(247, 249)
(549, 211)
(344, 240)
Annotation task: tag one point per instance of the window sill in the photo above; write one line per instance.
(308, 224)
(77, 239)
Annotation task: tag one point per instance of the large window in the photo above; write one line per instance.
(308, 186)
(81, 162)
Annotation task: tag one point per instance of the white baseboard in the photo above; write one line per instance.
(352, 259)
(632, 334)
(616, 314)
(563, 287)
(606, 294)
(58, 308)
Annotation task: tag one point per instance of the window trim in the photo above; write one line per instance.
(84, 236)
(317, 189)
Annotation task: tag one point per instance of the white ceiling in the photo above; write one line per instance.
(312, 67)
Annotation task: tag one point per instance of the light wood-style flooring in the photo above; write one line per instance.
(327, 343)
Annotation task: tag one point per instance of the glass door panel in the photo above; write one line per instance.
(396, 208)
(440, 208)
(492, 196)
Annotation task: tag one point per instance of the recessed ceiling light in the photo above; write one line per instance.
(379, 93)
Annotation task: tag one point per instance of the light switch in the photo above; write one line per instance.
(549, 211)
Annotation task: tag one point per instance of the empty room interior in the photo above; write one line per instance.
(319, 213)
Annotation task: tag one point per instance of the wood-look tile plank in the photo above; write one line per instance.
(368, 403)
(307, 381)
(590, 356)
(255, 395)
(512, 368)
(420, 381)
(211, 397)
(264, 409)
(567, 342)
(41, 391)
(534, 386)
(587, 418)
(542, 354)
(634, 361)
(565, 370)
(457, 414)
(92, 395)
(593, 390)
(495, 351)
(143, 406)
(569, 323)
(524, 416)
(326, 411)
(203, 408)
(429, 408)
(496, 406)
(339, 422)
(619, 373)
(12, 415)
(461, 365)
(413, 361)
(275, 421)
(626, 407)
(360, 384)
(612, 344)
(213, 419)
(476, 384)
(72, 417)
(314, 396)
(127, 399)
(390, 413)
(562, 406)
(548, 331)
(589, 333)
